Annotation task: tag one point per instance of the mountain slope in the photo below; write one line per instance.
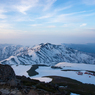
(49, 54)
(7, 50)
(88, 48)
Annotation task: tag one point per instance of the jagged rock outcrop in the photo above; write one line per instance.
(7, 75)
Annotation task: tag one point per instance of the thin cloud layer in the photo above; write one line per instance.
(48, 4)
(67, 18)
(2, 14)
(84, 24)
(26, 5)
(89, 2)
(51, 26)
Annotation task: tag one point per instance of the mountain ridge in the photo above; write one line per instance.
(48, 54)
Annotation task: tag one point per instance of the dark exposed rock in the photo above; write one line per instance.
(7, 75)
(0, 93)
(32, 92)
(7, 91)
(55, 67)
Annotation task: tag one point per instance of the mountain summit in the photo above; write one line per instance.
(48, 54)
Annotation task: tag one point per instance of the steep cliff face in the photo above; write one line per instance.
(49, 54)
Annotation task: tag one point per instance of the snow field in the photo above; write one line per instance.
(48, 71)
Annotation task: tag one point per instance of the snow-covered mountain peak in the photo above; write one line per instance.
(43, 45)
(47, 53)
(36, 48)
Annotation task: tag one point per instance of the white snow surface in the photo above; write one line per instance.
(42, 79)
(10, 57)
(48, 71)
(74, 94)
(22, 70)
(76, 66)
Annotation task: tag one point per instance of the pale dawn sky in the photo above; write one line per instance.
(30, 22)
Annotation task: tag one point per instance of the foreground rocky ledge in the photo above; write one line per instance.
(10, 84)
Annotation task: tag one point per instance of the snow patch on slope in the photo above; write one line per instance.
(74, 66)
(21, 69)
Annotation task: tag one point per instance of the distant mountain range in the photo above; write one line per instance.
(88, 48)
(48, 54)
